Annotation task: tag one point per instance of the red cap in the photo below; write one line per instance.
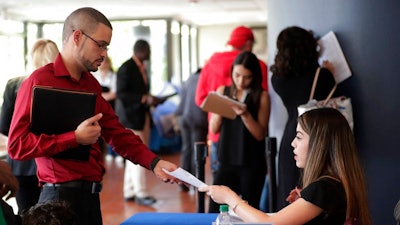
(240, 35)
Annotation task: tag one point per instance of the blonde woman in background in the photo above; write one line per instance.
(43, 52)
(108, 81)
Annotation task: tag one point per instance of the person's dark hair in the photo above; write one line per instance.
(249, 61)
(297, 52)
(86, 19)
(140, 46)
(53, 212)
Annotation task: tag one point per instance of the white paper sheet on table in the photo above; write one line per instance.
(186, 177)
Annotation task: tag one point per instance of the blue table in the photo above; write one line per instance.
(151, 218)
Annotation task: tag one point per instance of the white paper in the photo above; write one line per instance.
(331, 51)
(186, 177)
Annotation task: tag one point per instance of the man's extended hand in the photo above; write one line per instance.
(89, 130)
(164, 176)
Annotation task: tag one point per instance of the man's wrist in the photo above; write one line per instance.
(154, 163)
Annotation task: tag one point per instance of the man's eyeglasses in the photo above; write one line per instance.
(102, 44)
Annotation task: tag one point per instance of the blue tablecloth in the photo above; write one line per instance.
(152, 218)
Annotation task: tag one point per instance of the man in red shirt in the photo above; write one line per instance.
(86, 36)
(217, 72)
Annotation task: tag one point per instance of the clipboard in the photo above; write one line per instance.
(220, 104)
(56, 111)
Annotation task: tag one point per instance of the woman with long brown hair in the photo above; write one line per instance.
(334, 187)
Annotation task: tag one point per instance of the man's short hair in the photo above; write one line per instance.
(141, 46)
(85, 19)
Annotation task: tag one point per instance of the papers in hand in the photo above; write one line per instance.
(331, 51)
(186, 177)
(220, 104)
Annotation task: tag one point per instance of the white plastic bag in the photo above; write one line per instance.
(343, 104)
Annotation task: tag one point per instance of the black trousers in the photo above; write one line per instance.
(28, 192)
(190, 134)
(85, 204)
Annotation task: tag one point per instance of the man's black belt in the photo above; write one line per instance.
(92, 187)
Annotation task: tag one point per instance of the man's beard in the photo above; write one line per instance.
(90, 66)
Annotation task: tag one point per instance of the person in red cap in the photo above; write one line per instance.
(242, 38)
(216, 72)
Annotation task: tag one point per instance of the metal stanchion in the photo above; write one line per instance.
(271, 154)
(200, 155)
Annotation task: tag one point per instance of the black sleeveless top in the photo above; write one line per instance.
(236, 145)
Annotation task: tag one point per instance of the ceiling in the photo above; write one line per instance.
(196, 12)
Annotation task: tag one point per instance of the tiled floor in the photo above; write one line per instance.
(169, 196)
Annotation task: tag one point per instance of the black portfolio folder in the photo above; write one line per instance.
(56, 111)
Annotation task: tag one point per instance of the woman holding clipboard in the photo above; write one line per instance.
(241, 147)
